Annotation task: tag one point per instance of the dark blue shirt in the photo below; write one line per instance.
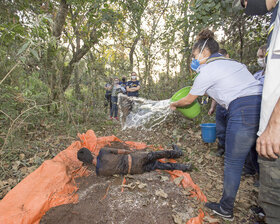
(123, 84)
(133, 84)
(108, 92)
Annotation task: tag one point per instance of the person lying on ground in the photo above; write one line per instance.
(112, 161)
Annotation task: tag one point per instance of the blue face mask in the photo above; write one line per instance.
(195, 62)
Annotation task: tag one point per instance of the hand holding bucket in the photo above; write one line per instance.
(190, 111)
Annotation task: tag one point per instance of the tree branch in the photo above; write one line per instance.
(60, 18)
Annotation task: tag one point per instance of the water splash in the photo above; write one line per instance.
(143, 113)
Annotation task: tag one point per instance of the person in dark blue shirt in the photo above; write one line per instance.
(133, 86)
(123, 84)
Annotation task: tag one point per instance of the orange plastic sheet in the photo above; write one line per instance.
(53, 183)
(198, 219)
(187, 182)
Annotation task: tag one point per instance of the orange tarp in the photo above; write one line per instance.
(187, 182)
(198, 219)
(53, 183)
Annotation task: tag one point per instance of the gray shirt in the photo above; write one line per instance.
(117, 89)
(225, 81)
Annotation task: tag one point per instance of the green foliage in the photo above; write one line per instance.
(102, 39)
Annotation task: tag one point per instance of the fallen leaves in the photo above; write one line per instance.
(161, 193)
(178, 180)
(211, 220)
(179, 218)
(164, 178)
(132, 185)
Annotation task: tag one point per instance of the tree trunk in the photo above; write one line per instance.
(60, 18)
(240, 28)
(77, 56)
(168, 62)
(76, 83)
(131, 53)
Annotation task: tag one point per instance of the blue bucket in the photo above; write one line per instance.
(208, 132)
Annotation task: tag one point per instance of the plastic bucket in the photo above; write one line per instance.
(189, 111)
(208, 132)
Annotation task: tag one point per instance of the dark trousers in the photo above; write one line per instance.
(108, 98)
(221, 123)
(114, 109)
(241, 134)
(269, 194)
(251, 165)
(153, 164)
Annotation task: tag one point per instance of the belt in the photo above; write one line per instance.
(129, 159)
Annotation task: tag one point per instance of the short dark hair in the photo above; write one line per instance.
(85, 155)
(206, 37)
(223, 51)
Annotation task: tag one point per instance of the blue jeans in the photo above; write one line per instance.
(221, 123)
(241, 134)
(251, 164)
(114, 109)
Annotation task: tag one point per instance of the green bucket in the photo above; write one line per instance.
(190, 111)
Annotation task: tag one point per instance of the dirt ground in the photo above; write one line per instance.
(144, 198)
(147, 198)
(139, 202)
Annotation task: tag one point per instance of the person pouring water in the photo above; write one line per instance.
(232, 86)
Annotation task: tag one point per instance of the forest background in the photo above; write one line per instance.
(56, 56)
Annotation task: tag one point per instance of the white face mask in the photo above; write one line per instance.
(133, 77)
(261, 62)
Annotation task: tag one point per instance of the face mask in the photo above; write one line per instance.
(116, 82)
(195, 62)
(256, 7)
(261, 62)
(133, 77)
(123, 80)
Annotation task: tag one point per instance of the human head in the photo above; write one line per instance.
(116, 80)
(133, 76)
(123, 78)
(224, 52)
(85, 156)
(205, 46)
(261, 56)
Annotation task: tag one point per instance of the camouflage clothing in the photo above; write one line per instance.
(269, 195)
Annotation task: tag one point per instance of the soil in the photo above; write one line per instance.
(137, 205)
(146, 198)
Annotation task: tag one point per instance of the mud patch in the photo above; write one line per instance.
(144, 198)
(101, 201)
